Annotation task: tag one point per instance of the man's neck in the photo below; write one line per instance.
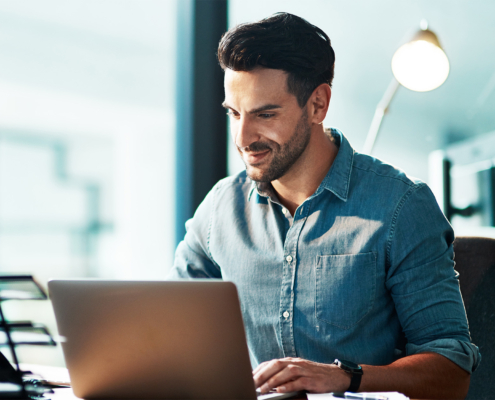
(304, 177)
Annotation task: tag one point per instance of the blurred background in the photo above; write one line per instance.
(111, 129)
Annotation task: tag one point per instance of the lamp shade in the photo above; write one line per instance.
(421, 64)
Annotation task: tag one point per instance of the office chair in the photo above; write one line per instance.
(475, 261)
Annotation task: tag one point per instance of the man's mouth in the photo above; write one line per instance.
(253, 158)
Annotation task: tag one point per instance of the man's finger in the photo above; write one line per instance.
(264, 363)
(268, 370)
(288, 373)
(260, 366)
(301, 383)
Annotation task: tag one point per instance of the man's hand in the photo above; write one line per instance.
(293, 374)
(419, 376)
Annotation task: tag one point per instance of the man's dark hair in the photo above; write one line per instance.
(282, 41)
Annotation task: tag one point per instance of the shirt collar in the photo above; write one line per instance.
(263, 189)
(253, 188)
(337, 179)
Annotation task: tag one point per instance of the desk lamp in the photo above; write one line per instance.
(420, 65)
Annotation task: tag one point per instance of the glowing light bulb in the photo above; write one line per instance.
(420, 65)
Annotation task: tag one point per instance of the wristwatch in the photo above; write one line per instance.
(355, 370)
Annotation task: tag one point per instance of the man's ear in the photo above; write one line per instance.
(319, 102)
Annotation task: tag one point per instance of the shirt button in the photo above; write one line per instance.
(286, 314)
(288, 258)
(284, 210)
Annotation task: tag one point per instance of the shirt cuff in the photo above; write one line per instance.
(465, 355)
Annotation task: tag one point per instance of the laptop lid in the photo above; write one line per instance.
(153, 339)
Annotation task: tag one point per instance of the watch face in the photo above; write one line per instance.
(348, 366)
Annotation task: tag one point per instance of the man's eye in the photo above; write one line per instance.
(266, 115)
(231, 113)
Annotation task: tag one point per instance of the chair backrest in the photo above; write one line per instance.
(475, 261)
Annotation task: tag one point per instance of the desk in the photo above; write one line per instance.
(61, 374)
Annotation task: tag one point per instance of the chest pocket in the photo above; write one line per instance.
(345, 288)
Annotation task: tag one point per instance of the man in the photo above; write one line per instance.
(335, 254)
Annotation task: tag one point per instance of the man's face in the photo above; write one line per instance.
(267, 125)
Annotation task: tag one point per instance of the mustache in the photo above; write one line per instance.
(255, 147)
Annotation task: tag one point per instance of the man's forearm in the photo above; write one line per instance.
(419, 376)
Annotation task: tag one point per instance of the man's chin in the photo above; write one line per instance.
(256, 174)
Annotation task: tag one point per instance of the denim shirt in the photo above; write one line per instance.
(363, 271)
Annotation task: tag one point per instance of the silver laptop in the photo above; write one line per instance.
(153, 339)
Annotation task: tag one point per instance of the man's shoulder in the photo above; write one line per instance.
(239, 183)
(383, 172)
(367, 176)
(226, 196)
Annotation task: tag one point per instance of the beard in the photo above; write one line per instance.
(283, 156)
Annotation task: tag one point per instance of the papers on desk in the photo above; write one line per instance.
(360, 396)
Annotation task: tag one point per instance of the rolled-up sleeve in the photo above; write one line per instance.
(423, 283)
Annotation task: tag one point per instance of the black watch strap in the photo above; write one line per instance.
(354, 370)
(355, 382)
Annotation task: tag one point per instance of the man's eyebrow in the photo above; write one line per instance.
(265, 108)
(257, 110)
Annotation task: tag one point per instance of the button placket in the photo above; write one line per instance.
(289, 277)
(286, 299)
(287, 292)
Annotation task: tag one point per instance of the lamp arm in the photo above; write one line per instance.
(381, 110)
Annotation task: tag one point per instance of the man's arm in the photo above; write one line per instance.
(419, 376)
(192, 257)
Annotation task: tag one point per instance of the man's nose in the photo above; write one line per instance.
(245, 132)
